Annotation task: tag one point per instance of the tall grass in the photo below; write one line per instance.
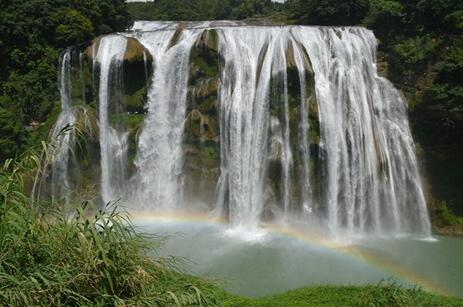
(88, 257)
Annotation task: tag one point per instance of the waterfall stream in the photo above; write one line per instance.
(62, 134)
(159, 158)
(306, 126)
(113, 144)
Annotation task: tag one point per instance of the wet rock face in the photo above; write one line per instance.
(137, 71)
(201, 128)
(201, 143)
(135, 51)
(293, 111)
(201, 140)
(126, 105)
(201, 136)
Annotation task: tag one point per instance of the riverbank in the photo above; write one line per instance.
(371, 295)
(453, 231)
(444, 221)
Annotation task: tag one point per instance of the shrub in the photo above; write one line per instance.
(83, 257)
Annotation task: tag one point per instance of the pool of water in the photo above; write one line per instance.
(262, 262)
(439, 262)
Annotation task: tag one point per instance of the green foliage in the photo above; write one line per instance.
(31, 35)
(383, 294)
(409, 58)
(387, 7)
(445, 15)
(11, 132)
(329, 12)
(442, 216)
(382, 15)
(455, 20)
(451, 66)
(135, 103)
(32, 85)
(248, 8)
(73, 27)
(441, 111)
(202, 9)
(83, 258)
(413, 51)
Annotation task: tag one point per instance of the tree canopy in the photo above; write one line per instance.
(32, 33)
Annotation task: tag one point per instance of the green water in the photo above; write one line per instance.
(257, 265)
(440, 262)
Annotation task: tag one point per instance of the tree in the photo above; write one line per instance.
(385, 17)
(11, 131)
(446, 15)
(32, 34)
(329, 12)
(72, 27)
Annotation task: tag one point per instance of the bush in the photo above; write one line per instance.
(441, 111)
(445, 15)
(413, 51)
(73, 28)
(385, 17)
(11, 131)
(442, 216)
(31, 35)
(329, 12)
(84, 257)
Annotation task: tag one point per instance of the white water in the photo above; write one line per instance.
(160, 158)
(373, 182)
(62, 135)
(113, 144)
(365, 169)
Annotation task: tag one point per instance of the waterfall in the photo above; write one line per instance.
(307, 129)
(65, 87)
(371, 169)
(160, 158)
(113, 143)
(62, 134)
(243, 97)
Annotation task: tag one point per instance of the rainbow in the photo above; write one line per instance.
(356, 252)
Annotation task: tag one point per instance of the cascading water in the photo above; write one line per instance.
(371, 169)
(113, 144)
(243, 102)
(306, 127)
(159, 158)
(62, 136)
